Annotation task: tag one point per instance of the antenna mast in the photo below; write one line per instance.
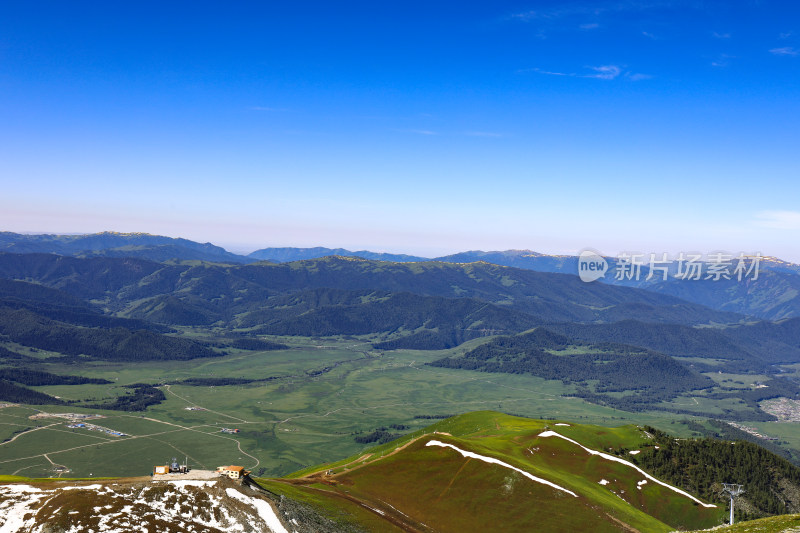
(734, 490)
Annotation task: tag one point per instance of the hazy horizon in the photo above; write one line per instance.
(431, 253)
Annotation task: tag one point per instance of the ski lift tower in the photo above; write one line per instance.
(734, 490)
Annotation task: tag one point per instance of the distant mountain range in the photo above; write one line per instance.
(128, 309)
(286, 255)
(774, 296)
(112, 244)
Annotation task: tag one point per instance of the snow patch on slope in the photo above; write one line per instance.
(191, 483)
(492, 460)
(264, 510)
(13, 511)
(628, 464)
(190, 505)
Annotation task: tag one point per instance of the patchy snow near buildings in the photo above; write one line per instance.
(174, 470)
(120, 506)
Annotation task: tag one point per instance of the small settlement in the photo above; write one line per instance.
(233, 472)
(174, 470)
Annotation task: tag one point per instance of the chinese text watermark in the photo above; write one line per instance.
(634, 266)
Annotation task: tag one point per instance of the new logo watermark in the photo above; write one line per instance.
(635, 266)
(591, 265)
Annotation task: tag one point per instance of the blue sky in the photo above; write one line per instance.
(418, 127)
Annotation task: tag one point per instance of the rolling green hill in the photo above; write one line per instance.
(489, 471)
(31, 329)
(742, 346)
(773, 296)
(604, 370)
(700, 465)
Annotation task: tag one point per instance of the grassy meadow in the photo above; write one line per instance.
(317, 396)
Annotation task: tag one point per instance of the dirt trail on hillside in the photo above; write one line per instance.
(390, 515)
(319, 473)
(627, 527)
(453, 480)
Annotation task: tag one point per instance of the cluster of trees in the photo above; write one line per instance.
(701, 465)
(615, 367)
(12, 380)
(722, 430)
(774, 388)
(79, 315)
(11, 392)
(36, 378)
(672, 339)
(750, 347)
(142, 396)
(638, 400)
(250, 343)
(429, 340)
(382, 435)
(119, 344)
(7, 355)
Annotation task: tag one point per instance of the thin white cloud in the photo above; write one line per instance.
(721, 35)
(261, 108)
(589, 26)
(784, 51)
(779, 219)
(649, 35)
(785, 35)
(639, 76)
(604, 72)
